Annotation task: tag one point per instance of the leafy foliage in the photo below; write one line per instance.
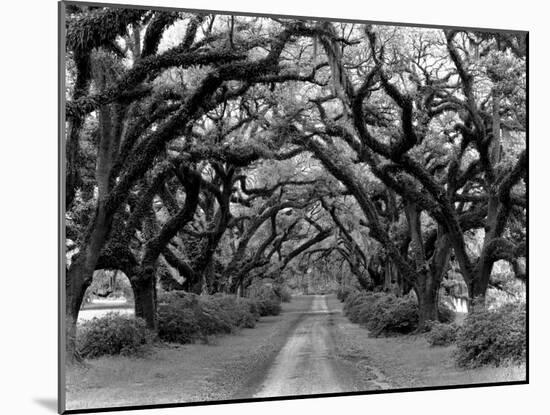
(269, 303)
(384, 314)
(283, 292)
(185, 318)
(343, 292)
(492, 336)
(441, 334)
(256, 125)
(391, 315)
(360, 304)
(99, 27)
(445, 314)
(241, 311)
(113, 334)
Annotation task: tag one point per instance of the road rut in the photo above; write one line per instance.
(308, 362)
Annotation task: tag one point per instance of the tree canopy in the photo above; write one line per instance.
(207, 151)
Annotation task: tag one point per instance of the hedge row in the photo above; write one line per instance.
(182, 318)
(185, 317)
(486, 337)
(386, 314)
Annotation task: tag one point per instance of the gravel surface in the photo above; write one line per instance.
(311, 362)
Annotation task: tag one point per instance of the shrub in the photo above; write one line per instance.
(185, 318)
(253, 307)
(113, 334)
(178, 325)
(269, 307)
(248, 319)
(177, 317)
(441, 334)
(237, 310)
(392, 314)
(363, 307)
(492, 336)
(269, 303)
(283, 293)
(212, 318)
(355, 301)
(445, 313)
(343, 293)
(384, 313)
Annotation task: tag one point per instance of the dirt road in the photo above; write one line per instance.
(310, 362)
(310, 348)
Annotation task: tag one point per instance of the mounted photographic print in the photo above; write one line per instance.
(265, 206)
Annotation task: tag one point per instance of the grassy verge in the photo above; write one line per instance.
(183, 373)
(409, 361)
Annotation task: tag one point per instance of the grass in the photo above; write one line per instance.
(223, 368)
(120, 381)
(181, 373)
(409, 361)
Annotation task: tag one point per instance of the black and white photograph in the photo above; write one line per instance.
(260, 206)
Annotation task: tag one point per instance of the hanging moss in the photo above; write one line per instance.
(100, 27)
(155, 30)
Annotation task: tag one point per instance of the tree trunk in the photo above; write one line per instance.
(426, 293)
(145, 298)
(208, 283)
(78, 280)
(81, 271)
(403, 286)
(80, 274)
(478, 287)
(75, 123)
(428, 277)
